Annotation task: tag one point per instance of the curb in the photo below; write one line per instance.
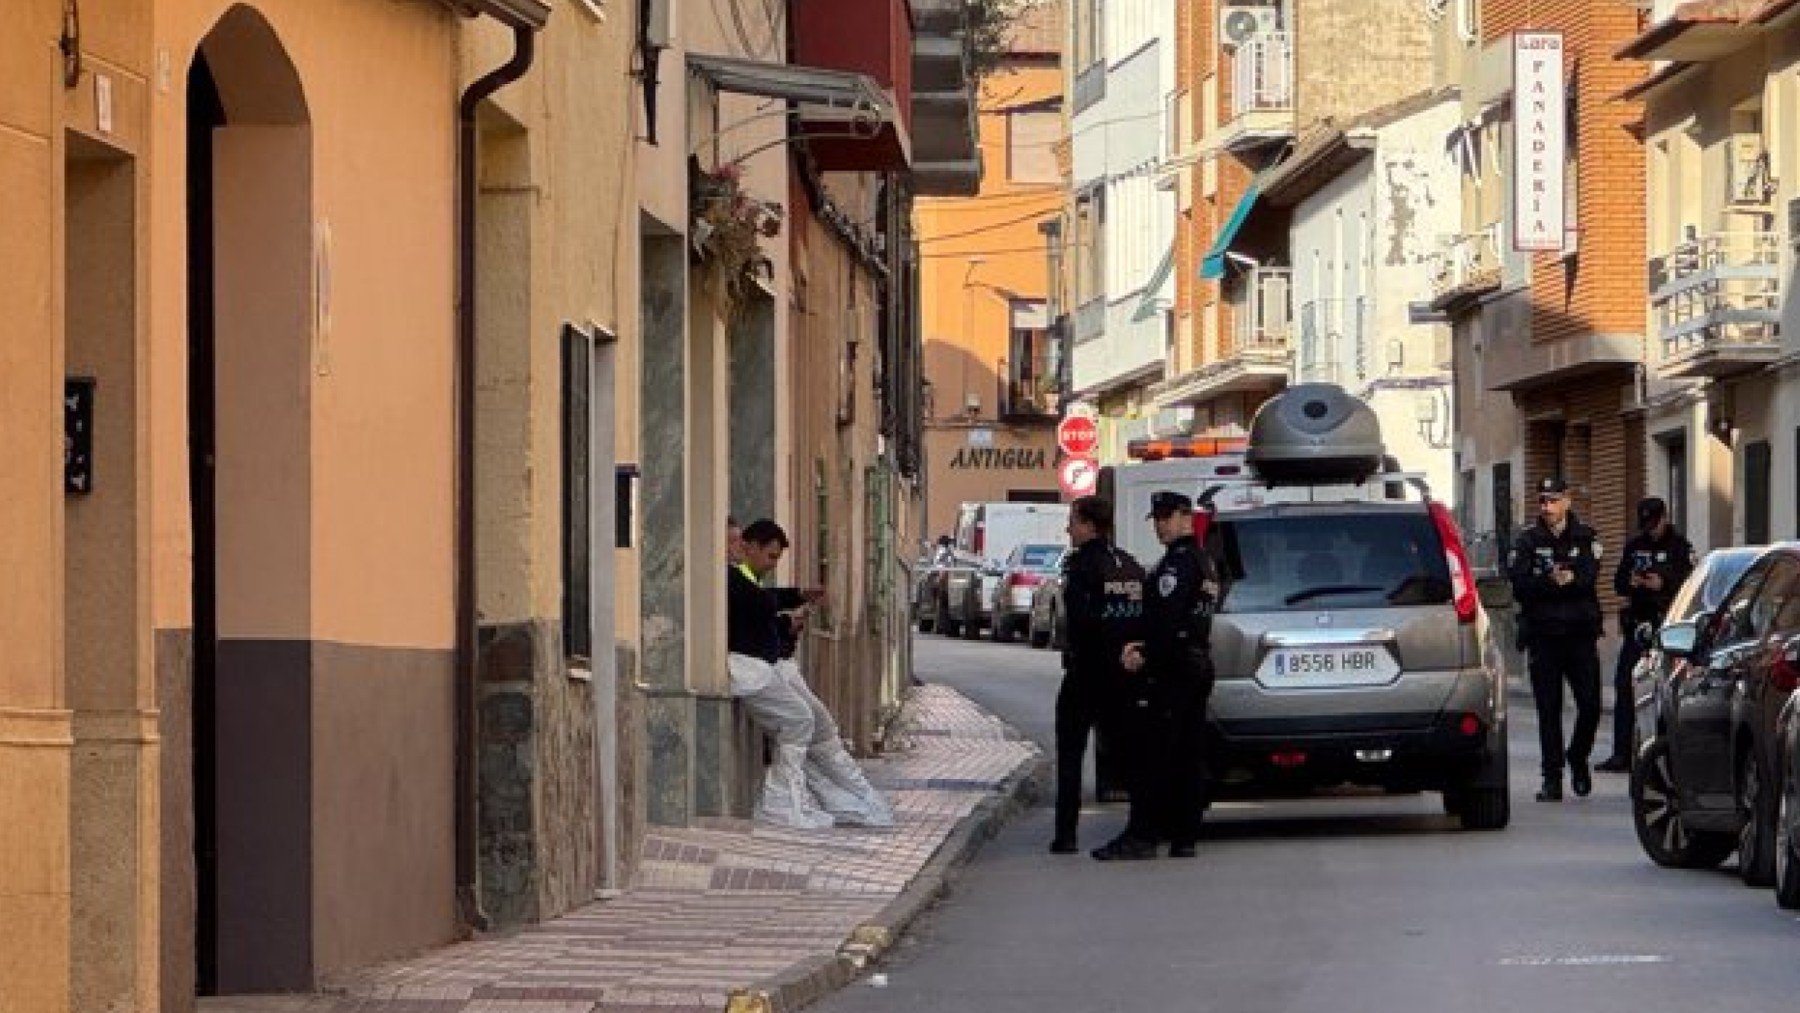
(816, 977)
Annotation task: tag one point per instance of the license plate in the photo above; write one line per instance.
(1294, 667)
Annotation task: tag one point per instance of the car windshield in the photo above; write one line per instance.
(1377, 560)
(1709, 585)
(1037, 557)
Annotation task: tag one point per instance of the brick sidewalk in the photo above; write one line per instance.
(719, 909)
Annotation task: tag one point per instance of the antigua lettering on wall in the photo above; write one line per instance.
(988, 458)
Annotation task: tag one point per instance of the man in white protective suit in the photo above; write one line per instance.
(813, 782)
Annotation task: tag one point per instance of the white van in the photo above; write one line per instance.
(987, 533)
(1188, 465)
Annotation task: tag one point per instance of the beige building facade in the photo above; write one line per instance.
(1721, 151)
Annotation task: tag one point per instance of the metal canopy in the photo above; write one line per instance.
(834, 89)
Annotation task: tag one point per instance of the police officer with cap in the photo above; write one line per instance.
(1654, 565)
(1173, 674)
(1555, 568)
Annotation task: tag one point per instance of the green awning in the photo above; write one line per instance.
(1213, 266)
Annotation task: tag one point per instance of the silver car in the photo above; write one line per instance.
(1009, 603)
(1350, 648)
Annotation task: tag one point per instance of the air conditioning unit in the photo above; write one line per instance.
(1240, 23)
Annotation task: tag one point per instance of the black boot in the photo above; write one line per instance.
(1614, 765)
(1064, 845)
(1125, 848)
(1551, 791)
(1580, 778)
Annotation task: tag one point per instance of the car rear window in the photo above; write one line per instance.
(1293, 563)
(1040, 557)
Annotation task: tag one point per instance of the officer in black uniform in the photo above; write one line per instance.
(1087, 700)
(1654, 565)
(1555, 568)
(1172, 674)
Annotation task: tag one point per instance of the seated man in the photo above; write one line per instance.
(811, 765)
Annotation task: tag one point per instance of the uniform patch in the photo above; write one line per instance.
(1167, 585)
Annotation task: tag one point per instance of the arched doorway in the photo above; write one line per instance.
(250, 324)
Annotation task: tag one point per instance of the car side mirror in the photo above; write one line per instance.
(1679, 640)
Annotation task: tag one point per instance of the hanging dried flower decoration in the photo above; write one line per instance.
(729, 226)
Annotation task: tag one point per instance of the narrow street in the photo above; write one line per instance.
(1346, 905)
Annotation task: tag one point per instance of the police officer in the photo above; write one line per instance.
(1173, 673)
(1086, 702)
(1555, 568)
(1654, 565)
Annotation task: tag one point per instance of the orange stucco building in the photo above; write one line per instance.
(991, 356)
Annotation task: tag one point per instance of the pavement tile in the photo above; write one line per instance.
(719, 906)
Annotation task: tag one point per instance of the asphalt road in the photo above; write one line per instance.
(1342, 905)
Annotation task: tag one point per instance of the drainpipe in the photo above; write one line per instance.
(467, 722)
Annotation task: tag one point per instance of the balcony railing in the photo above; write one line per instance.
(1262, 312)
(1331, 330)
(1262, 75)
(1717, 301)
(1466, 260)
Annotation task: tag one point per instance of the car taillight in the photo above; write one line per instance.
(1784, 674)
(1202, 524)
(1025, 579)
(1462, 577)
(980, 539)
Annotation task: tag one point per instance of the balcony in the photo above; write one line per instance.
(1262, 93)
(1466, 268)
(1331, 331)
(947, 152)
(844, 140)
(1717, 304)
(1256, 352)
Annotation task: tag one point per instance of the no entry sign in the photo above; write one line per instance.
(1078, 476)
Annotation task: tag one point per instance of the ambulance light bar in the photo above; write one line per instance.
(1167, 448)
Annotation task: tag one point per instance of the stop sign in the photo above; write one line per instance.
(1078, 435)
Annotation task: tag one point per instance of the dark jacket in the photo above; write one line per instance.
(1093, 644)
(753, 624)
(1669, 557)
(1546, 608)
(1178, 616)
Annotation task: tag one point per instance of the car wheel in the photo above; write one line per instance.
(1657, 818)
(1003, 629)
(925, 623)
(971, 627)
(1756, 841)
(1787, 859)
(1484, 800)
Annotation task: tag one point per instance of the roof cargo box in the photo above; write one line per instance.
(1315, 433)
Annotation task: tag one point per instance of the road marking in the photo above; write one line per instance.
(1594, 960)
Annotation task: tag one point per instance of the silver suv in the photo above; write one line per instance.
(1350, 646)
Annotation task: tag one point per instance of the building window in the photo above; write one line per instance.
(1090, 246)
(577, 486)
(1468, 20)
(1756, 493)
(1088, 17)
(1031, 136)
(1030, 380)
(1675, 475)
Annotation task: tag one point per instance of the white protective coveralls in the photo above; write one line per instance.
(813, 782)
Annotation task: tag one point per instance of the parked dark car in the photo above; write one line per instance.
(1705, 782)
(1045, 627)
(1787, 805)
(1704, 589)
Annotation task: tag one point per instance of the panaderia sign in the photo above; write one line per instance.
(1540, 142)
